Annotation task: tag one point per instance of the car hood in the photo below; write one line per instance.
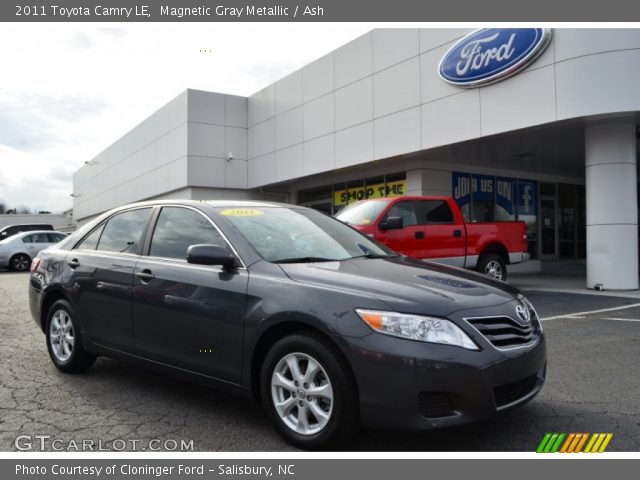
(405, 284)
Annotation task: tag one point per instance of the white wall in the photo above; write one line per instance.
(380, 96)
(183, 144)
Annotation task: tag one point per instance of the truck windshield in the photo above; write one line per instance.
(362, 213)
(296, 235)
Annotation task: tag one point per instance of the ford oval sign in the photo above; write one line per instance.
(489, 55)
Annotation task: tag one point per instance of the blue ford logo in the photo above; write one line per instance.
(489, 55)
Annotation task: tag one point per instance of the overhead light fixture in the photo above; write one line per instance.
(75, 195)
(91, 162)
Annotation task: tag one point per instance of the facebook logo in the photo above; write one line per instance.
(527, 203)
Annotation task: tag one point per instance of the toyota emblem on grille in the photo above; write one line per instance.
(523, 313)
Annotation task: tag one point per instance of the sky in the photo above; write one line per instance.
(68, 91)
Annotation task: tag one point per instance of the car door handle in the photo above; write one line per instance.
(74, 263)
(419, 235)
(145, 275)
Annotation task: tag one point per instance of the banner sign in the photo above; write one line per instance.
(380, 190)
(514, 196)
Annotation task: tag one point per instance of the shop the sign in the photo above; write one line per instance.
(492, 54)
(380, 190)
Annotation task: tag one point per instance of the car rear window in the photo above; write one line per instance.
(123, 232)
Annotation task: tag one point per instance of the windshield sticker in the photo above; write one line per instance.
(241, 212)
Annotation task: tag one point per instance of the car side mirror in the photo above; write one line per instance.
(392, 223)
(210, 255)
(3, 234)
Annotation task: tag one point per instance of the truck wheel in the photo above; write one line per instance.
(493, 266)
(309, 392)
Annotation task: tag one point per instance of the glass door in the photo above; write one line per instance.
(548, 230)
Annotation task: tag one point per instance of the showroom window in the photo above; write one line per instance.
(488, 198)
(331, 199)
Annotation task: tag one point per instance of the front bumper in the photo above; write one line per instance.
(411, 385)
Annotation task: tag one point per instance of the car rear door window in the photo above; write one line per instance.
(40, 238)
(123, 232)
(177, 229)
(55, 237)
(435, 211)
(90, 242)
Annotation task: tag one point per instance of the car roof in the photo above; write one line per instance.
(212, 203)
(31, 232)
(26, 225)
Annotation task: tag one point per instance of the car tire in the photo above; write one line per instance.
(64, 341)
(492, 265)
(20, 262)
(331, 413)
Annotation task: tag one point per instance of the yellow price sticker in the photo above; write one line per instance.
(241, 212)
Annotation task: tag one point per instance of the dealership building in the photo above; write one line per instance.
(516, 124)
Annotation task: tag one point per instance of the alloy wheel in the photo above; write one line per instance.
(61, 335)
(494, 269)
(302, 393)
(21, 263)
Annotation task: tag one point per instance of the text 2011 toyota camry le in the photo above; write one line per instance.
(328, 328)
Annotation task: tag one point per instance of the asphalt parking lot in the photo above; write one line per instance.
(592, 386)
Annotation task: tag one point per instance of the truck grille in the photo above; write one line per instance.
(435, 405)
(504, 332)
(512, 392)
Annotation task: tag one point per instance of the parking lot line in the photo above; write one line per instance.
(591, 312)
(623, 319)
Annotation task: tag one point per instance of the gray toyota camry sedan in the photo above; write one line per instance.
(327, 328)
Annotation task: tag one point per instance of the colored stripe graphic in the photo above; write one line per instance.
(574, 443)
(581, 443)
(567, 443)
(543, 443)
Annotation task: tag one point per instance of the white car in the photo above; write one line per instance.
(17, 251)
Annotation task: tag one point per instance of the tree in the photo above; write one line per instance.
(23, 210)
(3, 208)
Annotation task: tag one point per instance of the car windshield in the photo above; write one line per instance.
(362, 213)
(292, 235)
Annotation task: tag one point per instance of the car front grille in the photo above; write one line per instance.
(512, 392)
(435, 405)
(504, 332)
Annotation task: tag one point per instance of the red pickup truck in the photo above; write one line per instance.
(433, 228)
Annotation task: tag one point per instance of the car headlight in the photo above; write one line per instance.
(417, 327)
(531, 308)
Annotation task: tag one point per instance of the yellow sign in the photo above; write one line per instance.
(242, 212)
(392, 189)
